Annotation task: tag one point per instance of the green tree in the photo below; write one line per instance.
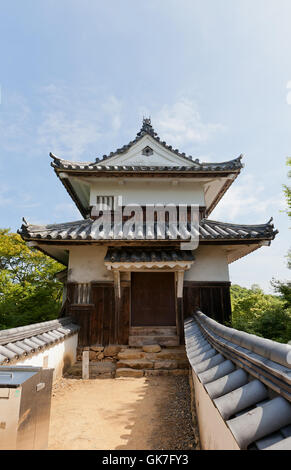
(29, 292)
(260, 314)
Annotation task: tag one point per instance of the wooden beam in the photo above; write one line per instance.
(116, 276)
(180, 282)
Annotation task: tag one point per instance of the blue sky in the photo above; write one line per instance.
(214, 75)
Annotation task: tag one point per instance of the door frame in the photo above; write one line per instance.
(179, 285)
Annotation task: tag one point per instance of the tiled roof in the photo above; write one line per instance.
(89, 229)
(248, 379)
(17, 343)
(138, 255)
(147, 129)
(103, 165)
(66, 165)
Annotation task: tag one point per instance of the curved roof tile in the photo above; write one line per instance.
(89, 229)
(249, 387)
(16, 343)
(103, 165)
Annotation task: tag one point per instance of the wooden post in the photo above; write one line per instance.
(180, 281)
(117, 290)
(85, 363)
(179, 316)
(116, 275)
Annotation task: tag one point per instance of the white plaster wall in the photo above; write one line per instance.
(86, 264)
(210, 265)
(58, 356)
(213, 430)
(150, 191)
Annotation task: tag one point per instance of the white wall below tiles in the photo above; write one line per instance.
(58, 356)
(213, 431)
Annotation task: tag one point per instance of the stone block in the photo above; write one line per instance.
(104, 375)
(131, 354)
(92, 355)
(101, 367)
(165, 365)
(112, 349)
(97, 348)
(172, 354)
(156, 372)
(135, 364)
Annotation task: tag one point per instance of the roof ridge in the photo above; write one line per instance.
(236, 159)
(147, 129)
(236, 224)
(208, 230)
(56, 225)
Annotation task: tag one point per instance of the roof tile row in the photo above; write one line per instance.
(17, 343)
(146, 129)
(138, 255)
(60, 164)
(89, 229)
(256, 418)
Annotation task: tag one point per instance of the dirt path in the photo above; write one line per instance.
(127, 413)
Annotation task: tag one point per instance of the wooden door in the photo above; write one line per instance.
(153, 299)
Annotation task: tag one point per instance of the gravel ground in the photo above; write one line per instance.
(176, 432)
(149, 413)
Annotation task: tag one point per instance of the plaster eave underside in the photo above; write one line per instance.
(85, 190)
(60, 253)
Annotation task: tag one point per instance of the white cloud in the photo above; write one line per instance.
(181, 123)
(245, 199)
(66, 136)
(75, 121)
(60, 119)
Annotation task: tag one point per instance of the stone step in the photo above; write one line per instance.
(153, 331)
(100, 368)
(173, 353)
(145, 364)
(153, 353)
(163, 340)
(135, 364)
(127, 372)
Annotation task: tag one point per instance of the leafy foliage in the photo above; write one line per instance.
(265, 315)
(29, 292)
(262, 314)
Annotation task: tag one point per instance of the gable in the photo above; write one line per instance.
(149, 152)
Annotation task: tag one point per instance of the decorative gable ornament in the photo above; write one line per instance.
(147, 151)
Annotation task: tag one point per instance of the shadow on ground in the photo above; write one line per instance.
(149, 413)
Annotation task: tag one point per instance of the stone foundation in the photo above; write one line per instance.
(124, 361)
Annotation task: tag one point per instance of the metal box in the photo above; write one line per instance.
(25, 402)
